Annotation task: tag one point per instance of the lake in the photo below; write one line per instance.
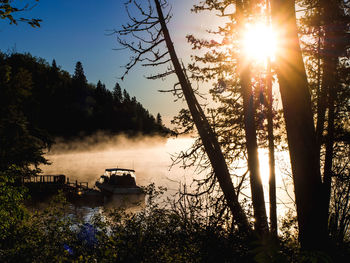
(150, 157)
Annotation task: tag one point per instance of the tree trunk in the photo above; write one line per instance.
(208, 137)
(256, 186)
(272, 177)
(327, 174)
(332, 47)
(300, 129)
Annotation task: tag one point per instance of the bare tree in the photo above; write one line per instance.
(150, 30)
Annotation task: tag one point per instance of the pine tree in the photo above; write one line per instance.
(99, 85)
(159, 120)
(79, 75)
(236, 118)
(126, 96)
(117, 93)
(64, 106)
(22, 143)
(298, 115)
(325, 30)
(53, 64)
(158, 34)
(79, 111)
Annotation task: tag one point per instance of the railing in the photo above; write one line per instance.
(76, 184)
(56, 179)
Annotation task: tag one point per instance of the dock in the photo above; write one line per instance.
(42, 186)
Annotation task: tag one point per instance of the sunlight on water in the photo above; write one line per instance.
(150, 157)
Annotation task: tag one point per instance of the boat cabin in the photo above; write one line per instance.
(119, 177)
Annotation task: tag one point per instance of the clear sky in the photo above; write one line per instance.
(76, 30)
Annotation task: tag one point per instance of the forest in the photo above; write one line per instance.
(66, 106)
(289, 94)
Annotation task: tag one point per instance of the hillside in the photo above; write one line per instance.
(54, 102)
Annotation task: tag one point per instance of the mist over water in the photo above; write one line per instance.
(150, 157)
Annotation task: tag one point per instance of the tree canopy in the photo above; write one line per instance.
(66, 106)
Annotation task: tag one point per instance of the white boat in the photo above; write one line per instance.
(118, 181)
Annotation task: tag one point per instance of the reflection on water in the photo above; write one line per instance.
(86, 210)
(111, 201)
(131, 202)
(150, 157)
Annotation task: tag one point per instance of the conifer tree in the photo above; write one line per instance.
(159, 120)
(79, 75)
(126, 96)
(154, 24)
(53, 64)
(324, 28)
(86, 108)
(117, 93)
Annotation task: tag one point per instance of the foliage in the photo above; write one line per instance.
(8, 10)
(21, 143)
(67, 106)
(324, 30)
(155, 234)
(218, 64)
(339, 219)
(160, 232)
(153, 46)
(12, 212)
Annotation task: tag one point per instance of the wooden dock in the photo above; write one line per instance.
(45, 185)
(59, 180)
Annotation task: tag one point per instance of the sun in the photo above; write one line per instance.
(259, 42)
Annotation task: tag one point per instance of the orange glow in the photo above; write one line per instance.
(259, 42)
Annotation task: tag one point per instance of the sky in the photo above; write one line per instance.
(77, 30)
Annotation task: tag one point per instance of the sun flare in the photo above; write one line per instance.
(259, 42)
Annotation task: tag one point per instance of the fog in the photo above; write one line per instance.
(85, 161)
(150, 157)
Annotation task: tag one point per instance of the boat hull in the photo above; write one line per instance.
(110, 189)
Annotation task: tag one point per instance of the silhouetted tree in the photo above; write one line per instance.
(54, 65)
(257, 192)
(79, 75)
(300, 128)
(237, 88)
(154, 22)
(117, 93)
(126, 96)
(22, 144)
(65, 105)
(159, 119)
(326, 45)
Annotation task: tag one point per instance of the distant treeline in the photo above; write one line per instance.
(63, 105)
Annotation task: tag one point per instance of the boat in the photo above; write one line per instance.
(118, 181)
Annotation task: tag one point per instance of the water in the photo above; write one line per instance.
(150, 157)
